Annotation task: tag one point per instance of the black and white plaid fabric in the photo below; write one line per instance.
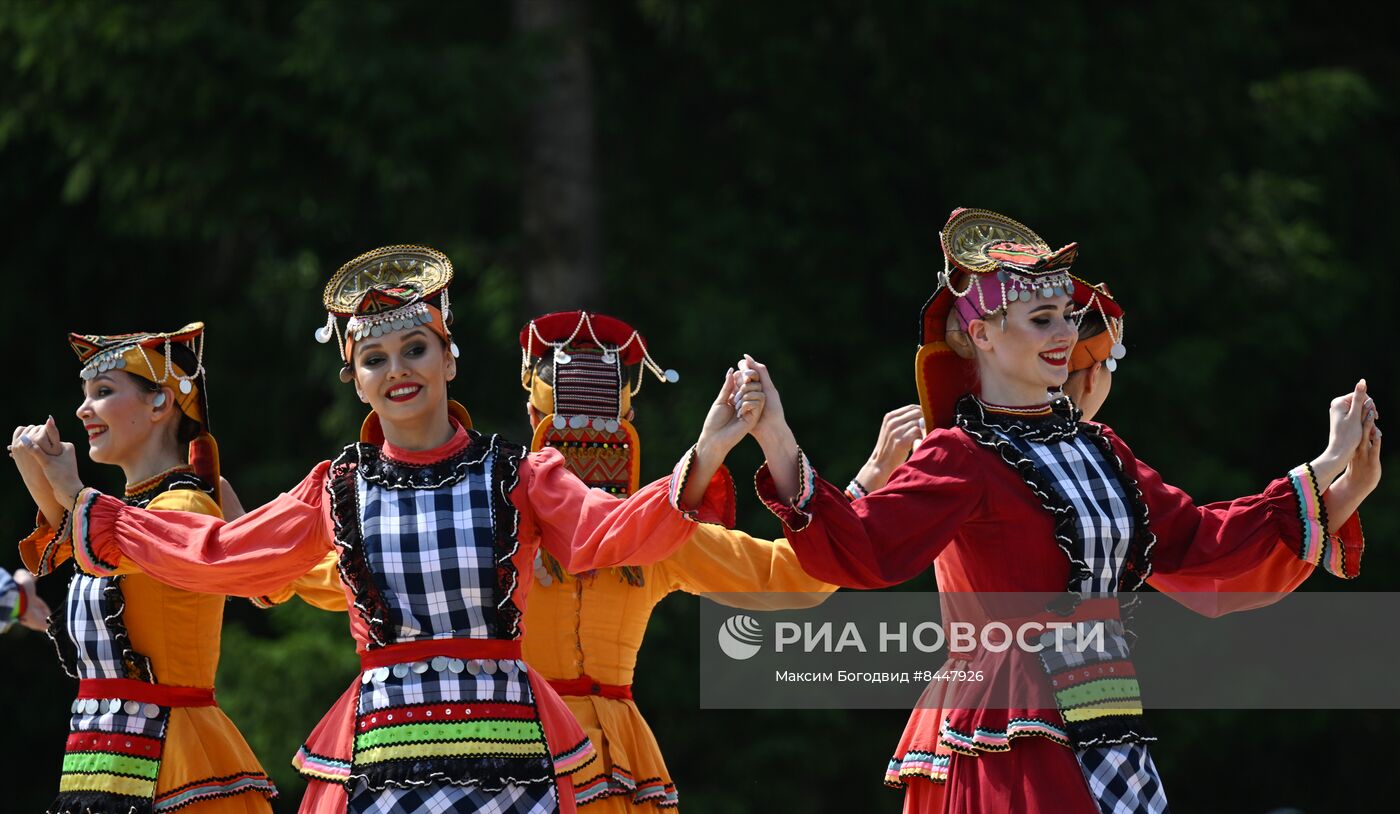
(442, 679)
(1080, 475)
(1123, 779)
(539, 798)
(431, 551)
(1064, 653)
(99, 655)
(9, 599)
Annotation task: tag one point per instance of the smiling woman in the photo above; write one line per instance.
(145, 653)
(1011, 492)
(436, 528)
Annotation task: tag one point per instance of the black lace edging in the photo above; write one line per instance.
(391, 474)
(1139, 560)
(138, 667)
(99, 802)
(349, 538)
(505, 475)
(485, 773)
(64, 647)
(973, 420)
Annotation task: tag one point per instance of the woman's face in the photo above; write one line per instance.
(1030, 349)
(403, 375)
(118, 414)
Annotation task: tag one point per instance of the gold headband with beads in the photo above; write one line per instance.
(132, 353)
(387, 290)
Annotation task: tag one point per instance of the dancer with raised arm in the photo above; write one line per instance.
(145, 733)
(1010, 492)
(436, 526)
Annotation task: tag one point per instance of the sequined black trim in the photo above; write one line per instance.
(349, 538)
(138, 667)
(488, 773)
(505, 523)
(388, 473)
(972, 418)
(98, 802)
(64, 647)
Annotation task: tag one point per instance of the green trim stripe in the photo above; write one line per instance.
(468, 731)
(108, 763)
(1096, 691)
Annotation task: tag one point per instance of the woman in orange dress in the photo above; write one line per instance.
(145, 734)
(436, 527)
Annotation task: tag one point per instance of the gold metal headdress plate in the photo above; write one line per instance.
(424, 270)
(968, 233)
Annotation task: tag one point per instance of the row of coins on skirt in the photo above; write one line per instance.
(92, 706)
(443, 664)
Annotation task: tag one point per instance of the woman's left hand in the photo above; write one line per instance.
(58, 461)
(36, 612)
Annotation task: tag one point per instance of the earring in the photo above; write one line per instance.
(160, 399)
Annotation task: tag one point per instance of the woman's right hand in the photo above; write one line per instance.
(36, 613)
(900, 432)
(1349, 418)
(32, 472)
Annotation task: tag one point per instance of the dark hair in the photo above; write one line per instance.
(1091, 327)
(189, 429)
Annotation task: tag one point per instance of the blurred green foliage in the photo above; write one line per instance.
(773, 176)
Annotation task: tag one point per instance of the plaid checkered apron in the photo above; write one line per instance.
(1122, 778)
(431, 553)
(86, 613)
(9, 599)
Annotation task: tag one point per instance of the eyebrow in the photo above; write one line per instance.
(1040, 308)
(99, 377)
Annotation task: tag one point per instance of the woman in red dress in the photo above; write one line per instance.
(1011, 492)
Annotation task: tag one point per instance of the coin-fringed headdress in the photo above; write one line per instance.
(174, 359)
(1100, 328)
(989, 261)
(386, 290)
(586, 401)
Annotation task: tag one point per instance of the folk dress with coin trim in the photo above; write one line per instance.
(434, 546)
(125, 755)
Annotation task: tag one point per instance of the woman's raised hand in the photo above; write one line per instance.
(732, 415)
(45, 437)
(52, 456)
(1350, 418)
(900, 432)
(36, 612)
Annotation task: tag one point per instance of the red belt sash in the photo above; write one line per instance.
(164, 695)
(425, 649)
(583, 685)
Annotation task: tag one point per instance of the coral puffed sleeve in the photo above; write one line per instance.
(46, 547)
(320, 587)
(258, 553)
(588, 528)
(894, 533)
(1231, 539)
(735, 569)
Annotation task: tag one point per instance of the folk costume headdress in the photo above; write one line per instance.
(173, 359)
(989, 261)
(394, 288)
(1100, 328)
(575, 365)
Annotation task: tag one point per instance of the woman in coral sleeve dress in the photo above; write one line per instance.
(436, 527)
(1011, 492)
(145, 733)
(584, 630)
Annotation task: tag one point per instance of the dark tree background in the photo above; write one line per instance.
(762, 177)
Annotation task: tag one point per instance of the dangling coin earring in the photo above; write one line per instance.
(160, 399)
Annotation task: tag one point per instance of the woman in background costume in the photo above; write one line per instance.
(19, 604)
(583, 631)
(145, 734)
(1010, 492)
(437, 526)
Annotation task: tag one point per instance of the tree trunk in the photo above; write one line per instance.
(560, 252)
